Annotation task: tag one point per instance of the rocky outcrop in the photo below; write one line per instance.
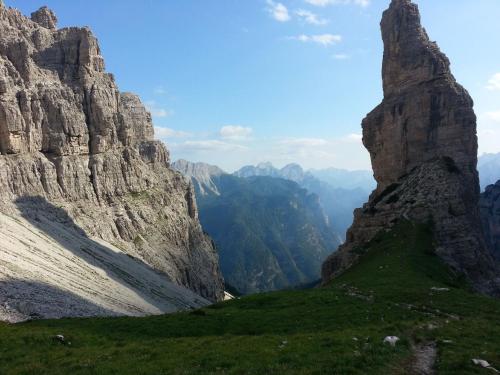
(69, 136)
(423, 146)
(202, 175)
(490, 214)
(45, 17)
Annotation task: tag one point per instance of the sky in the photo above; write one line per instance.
(237, 82)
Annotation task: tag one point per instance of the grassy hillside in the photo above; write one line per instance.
(334, 330)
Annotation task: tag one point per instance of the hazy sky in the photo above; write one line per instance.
(234, 82)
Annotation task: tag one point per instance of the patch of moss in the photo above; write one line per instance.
(142, 195)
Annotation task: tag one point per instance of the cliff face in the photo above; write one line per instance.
(425, 114)
(68, 136)
(423, 146)
(490, 214)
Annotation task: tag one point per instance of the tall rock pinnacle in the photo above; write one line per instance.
(423, 147)
(425, 113)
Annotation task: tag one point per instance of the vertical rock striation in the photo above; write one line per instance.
(423, 146)
(68, 135)
(490, 214)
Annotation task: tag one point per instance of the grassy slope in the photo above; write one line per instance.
(334, 330)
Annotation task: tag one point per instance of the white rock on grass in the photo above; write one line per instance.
(436, 289)
(391, 340)
(484, 364)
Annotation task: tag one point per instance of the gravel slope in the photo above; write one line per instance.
(52, 270)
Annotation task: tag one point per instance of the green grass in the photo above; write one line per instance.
(333, 330)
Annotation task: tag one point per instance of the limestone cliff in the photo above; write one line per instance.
(423, 146)
(71, 139)
(490, 214)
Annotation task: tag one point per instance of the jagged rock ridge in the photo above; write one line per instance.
(423, 146)
(68, 136)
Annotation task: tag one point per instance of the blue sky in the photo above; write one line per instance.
(234, 82)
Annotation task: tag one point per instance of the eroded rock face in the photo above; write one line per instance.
(68, 134)
(425, 113)
(490, 214)
(45, 17)
(423, 146)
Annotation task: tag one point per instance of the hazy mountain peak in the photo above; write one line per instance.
(201, 174)
(196, 170)
(489, 169)
(261, 169)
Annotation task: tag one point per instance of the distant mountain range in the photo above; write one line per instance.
(274, 226)
(337, 178)
(340, 191)
(270, 232)
(489, 169)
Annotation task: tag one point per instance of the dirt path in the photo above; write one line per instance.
(424, 358)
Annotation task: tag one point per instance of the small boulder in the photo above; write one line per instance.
(391, 340)
(484, 364)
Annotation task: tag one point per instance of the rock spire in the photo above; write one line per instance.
(423, 147)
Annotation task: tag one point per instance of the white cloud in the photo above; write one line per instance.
(323, 3)
(157, 111)
(345, 151)
(303, 142)
(207, 145)
(319, 3)
(488, 132)
(341, 56)
(342, 152)
(167, 133)
(235, 132)
(353, 137)
(494, 83)
(491, 116)
(310, 17)
(160, 112)
(278, 11)
(322, 39)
